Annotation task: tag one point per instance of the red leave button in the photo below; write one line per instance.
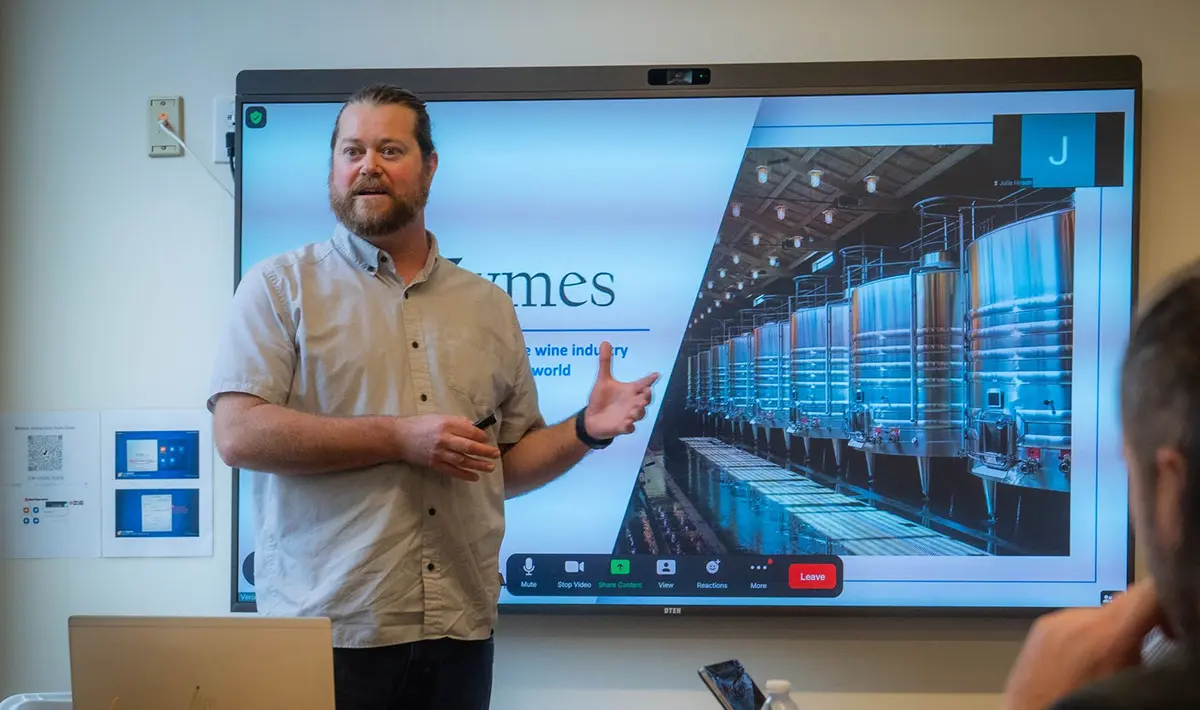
(812, 576)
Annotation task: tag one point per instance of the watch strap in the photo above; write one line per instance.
(588, 440)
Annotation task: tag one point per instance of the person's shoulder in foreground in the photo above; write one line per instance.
(1172, 686)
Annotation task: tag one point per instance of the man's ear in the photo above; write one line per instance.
(1170, 474)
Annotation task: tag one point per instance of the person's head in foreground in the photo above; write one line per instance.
(1083, 658)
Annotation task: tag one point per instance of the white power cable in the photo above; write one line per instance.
(167, 129)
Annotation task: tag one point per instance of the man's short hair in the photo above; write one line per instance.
(389, 95)
(1160, 375)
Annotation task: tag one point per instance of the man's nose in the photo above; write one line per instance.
(369, 164)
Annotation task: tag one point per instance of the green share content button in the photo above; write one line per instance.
(619, 585)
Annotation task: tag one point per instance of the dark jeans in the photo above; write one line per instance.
(442, 674)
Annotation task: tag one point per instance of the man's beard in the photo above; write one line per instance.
(1176, 574)
(1175, 580)
(399, 213)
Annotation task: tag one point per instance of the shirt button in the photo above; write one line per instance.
(430, 566)
(433, 511)
(406, 294)
(424, 397)
(415, 346)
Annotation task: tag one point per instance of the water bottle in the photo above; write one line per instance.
(779, 696)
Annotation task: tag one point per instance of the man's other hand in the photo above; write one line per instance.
(449, 445)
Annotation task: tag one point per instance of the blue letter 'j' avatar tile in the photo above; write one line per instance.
(1059, 150)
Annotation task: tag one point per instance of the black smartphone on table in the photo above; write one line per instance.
(732, 685)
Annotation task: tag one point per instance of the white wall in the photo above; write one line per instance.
(93, 232)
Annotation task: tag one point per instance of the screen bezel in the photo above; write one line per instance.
(724, 80)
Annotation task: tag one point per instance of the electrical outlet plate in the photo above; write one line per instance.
(224, 120)
(162, 145)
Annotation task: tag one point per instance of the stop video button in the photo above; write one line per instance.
(823, 576)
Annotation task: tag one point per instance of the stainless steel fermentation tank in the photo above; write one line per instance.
(820, 370)
(907, 364)
(1020, 315)
(773, 397)
(703, 381)
(719, 395)
(693, 384)
(741, 377)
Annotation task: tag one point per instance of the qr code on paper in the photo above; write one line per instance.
(45, 452)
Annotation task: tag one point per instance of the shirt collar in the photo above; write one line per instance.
(371, 258)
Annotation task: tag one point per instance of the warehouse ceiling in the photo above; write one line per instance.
(775, 203)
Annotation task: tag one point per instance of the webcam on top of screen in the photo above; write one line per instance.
(679, 76)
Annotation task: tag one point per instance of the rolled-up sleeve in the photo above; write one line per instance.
(256, 353)
(519, 412)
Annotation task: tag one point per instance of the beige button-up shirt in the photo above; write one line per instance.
(393, 553)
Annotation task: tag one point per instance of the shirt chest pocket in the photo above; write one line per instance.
(473, 366)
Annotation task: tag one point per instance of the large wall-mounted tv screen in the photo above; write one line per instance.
(888, 302)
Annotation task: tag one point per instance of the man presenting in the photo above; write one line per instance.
(350, 378)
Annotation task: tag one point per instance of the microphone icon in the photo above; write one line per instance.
(528, 567)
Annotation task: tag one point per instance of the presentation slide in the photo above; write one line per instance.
(157, 454)
(889, 329)
(147, 512)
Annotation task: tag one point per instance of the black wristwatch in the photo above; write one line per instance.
(587, 439)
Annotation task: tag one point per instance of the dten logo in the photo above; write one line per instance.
(542, 290)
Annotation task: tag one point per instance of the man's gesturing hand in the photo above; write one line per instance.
(449, 445)
(614, 407)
